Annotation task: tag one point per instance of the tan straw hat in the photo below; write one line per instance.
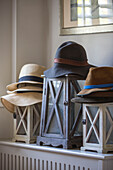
(20, 99)
(99, 83)
(30, 73)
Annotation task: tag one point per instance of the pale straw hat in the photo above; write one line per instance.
(20, 99)
(30, 73)
(27, 89)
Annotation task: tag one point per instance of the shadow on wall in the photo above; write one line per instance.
(6, 124)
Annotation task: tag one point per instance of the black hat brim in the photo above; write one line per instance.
(92, 100)
(59, 70)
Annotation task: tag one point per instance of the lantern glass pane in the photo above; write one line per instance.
(21, 130)
(109, 125)
(110, 140)
(55, 106)
(92, 111)
(93, 138)
(88, 124)
(74, 110)
(53, 127)
(36, 118)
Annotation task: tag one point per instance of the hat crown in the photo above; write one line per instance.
(99, 83)
(70, 58)
(30, 73)
(99, 75)
(72, 51)
(32, 70)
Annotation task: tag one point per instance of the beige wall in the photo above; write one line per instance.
(31, 32)
(5, 44)
(22, 40)
(5, 64)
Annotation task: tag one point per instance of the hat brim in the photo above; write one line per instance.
(96, 92)
(59, 70)
(92, 100)
(26, 89)
(13, 86)
(20, 99)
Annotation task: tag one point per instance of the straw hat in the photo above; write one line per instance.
(99, 83)
(30, 73)
(20, 99)
(70, 58)
(26, 89)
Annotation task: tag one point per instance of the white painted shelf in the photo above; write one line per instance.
(19, 156)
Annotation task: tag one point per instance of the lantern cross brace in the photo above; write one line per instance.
(22, 121)
(111, 122)
(76, 86)
(93, 126)
(54, 107)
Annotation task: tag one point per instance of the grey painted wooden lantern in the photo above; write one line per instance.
(60, 118)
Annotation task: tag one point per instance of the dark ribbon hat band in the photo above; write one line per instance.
(98, 86)
(70, 62)
(31, 78)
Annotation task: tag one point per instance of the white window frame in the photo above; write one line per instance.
(68, 27)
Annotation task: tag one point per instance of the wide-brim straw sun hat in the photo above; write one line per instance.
(27, 89)
(20, 99)
(99, 83)
(70, 58)
(30, 73)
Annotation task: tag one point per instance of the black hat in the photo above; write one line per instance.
(70, 58)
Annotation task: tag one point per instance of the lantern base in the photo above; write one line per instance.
(96, 149)
(76, 142)
(24, 139)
